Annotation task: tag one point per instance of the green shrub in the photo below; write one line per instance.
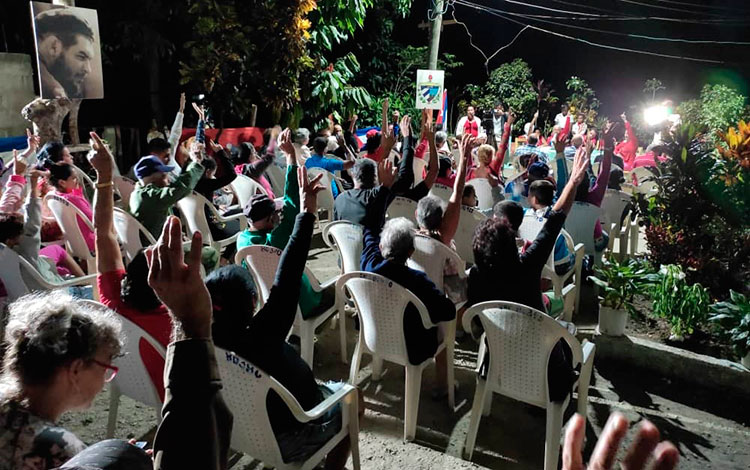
(733, 319)
(685, 306)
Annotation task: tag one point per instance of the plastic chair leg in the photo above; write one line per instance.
(114, 404)
(354, 430)
(307, 344)
(342, 334)
(552, 442)
(449, 353)
(356, 360)
(411, 403)
(476, 416)
(377, 367)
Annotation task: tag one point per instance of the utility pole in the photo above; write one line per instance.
(437, 26)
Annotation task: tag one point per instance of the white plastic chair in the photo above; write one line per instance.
(245, 388)
(580, 224)
(419, 166)
(520, 340)
(645, 180)
(613, 206)
(262, 262)
(66, 214)
(483, 189)
(325, 198)
(129, 231)
(192, 209)
(276, 176)
(87, 184)
(381, 304)
(571, 294)
(132, 379)
(124, 186)
(442, 191)
(463, 239)
(346, 238)
(430, 257)
(402, 207)
(37, 282)
(245, 188)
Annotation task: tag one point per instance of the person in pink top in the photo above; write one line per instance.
(63, 178)
(628, 147)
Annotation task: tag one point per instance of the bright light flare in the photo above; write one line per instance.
(655, 115)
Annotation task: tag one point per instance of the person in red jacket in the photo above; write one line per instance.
(628, 147)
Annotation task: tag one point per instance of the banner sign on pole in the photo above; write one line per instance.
(430, 89)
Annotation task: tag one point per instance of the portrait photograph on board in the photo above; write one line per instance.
(68, 51)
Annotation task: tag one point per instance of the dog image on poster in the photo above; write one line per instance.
(68, 51)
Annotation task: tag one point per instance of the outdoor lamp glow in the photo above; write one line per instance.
(655, 115)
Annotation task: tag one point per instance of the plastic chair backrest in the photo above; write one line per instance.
(484, 192)
(133, 379)
(262, 261)
(325, 198)
(192, 209)
(645, 179)
(125, 187)
(245, 188)
(66, 214)
(402, 207)
(345, 237)
(467, 224)
(129, 231)
(613, 205)
(244, 389)
(381, 304)
(87, 184)
(430, 256)
(580, 224)
(520, 340)
(10, 273)
(276, 178)
(530, 228)
(442, 191)
(419, 166)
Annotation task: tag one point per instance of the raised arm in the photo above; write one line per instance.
(566, 199)
(533, 123)
(12, 197)
(276, 317)
(432, 165)
(596, 194)
(453, 211)
(32, 145)
(108, 255)
(562, 165)
(174, 135)
(496, 165)
(224, 172)
(200, 130)
(406, 166)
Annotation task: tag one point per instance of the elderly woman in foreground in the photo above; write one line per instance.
(58, 356)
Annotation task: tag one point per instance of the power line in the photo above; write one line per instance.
(590, 7)
(697, 5)
(681, 10)
(629, 35)
(585, 41)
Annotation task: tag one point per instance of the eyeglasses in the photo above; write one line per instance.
(110, 369)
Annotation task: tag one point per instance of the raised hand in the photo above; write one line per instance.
(19, 164)
(179, 286)
(624, 117)
(308, 190)
(405, 126)
(101, 159)
(560, 143)
(196, 151)
(645, 445)
(512, 117)
(200, 111)
(384, 128)
(285, 143)
(32, 142)
(580, 164)
(467, 143)
(386, 173)
(609, 136)
(182, 103)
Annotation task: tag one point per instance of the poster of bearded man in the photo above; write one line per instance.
(68, 51)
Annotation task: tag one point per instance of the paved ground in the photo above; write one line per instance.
(711, 429)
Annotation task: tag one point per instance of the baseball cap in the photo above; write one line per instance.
(149, 165)
(260, 206)
(538, 170)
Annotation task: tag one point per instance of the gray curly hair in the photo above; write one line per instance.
(48, 330)
(397, 239)
(430, 211)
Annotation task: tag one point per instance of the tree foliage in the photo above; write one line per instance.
(511, 83)
(582, 98)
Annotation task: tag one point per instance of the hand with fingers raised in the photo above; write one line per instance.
(178, 285)
(645, 446)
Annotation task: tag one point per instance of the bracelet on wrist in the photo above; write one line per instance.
(104, 185)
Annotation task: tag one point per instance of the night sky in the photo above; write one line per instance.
(617, 77)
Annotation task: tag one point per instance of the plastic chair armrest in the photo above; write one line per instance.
(588, 350)
(88, 279)
(319, 410)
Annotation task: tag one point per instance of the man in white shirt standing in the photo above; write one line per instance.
(470, 124)
(580, 127)
(564, 113)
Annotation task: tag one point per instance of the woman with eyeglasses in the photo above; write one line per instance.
(58, 356)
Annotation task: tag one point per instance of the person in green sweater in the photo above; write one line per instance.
(154, 196)
(272, 226)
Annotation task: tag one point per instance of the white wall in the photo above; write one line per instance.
(16, 91)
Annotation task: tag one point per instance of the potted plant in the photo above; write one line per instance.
(733, 318)
(618, 283)
(684, 305)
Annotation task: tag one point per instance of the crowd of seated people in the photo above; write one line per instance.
(60, 350)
